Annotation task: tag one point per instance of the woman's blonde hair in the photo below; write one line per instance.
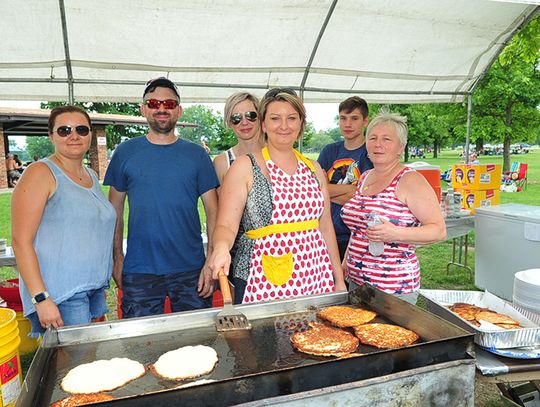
(291, 99)
(233, 100)
(398, 122)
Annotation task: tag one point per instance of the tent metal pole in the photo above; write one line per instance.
(71, 96)
(468, 138)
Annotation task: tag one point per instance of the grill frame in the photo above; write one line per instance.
(442, 342)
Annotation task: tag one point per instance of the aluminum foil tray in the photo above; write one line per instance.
(529, 335)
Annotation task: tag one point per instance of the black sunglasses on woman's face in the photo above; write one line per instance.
(236, 118)
(64, 131)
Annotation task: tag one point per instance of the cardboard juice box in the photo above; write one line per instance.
(476, 198)
(476, 176)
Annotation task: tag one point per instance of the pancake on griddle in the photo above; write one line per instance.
(186, 362)
(82, 400)
(324, 340)
(345, 316)
(102, 375)
(385, 336)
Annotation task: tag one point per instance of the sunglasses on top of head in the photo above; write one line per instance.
(167, 104)
(64, 131)
(236, 118)
(272, 93)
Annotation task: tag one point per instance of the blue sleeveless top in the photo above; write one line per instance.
(74, 240)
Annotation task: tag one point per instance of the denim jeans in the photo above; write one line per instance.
(79, 309)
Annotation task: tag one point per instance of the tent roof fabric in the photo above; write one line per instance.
(388, 51)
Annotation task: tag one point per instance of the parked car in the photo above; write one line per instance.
(520, 148)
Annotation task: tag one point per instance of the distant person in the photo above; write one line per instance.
(12, 171)
(205, 146)
(473, 159)
(344, 162)
(36, 158)
(165, 253)
(242, 116)
(63, 228)
(408, 209)
(280, 198)
(19, 162)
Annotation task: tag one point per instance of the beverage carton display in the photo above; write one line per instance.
(476, 176)
(476, 198)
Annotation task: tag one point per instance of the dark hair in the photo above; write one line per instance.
(57, 111)
(354, 102)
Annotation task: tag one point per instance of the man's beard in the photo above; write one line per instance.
(161, 127)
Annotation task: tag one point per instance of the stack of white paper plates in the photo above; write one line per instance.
(527, 289)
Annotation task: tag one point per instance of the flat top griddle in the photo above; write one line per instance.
(242, 354)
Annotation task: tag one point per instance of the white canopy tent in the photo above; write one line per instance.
(391, 51)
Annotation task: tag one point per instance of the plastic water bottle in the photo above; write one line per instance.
(375, 248)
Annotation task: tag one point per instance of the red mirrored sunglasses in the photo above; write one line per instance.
(167, 104)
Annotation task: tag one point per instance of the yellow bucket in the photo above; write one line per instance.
(10, 363)
(27, 344)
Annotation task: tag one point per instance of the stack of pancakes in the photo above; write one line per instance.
(474, 314)
(336, 340)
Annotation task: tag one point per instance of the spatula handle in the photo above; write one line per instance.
(224, 287)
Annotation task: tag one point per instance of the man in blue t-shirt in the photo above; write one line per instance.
(163, 178)
(344, 161)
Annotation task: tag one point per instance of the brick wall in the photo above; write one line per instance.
(98, 152)
(3, 152)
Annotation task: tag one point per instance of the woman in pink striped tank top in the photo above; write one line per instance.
(406, 205)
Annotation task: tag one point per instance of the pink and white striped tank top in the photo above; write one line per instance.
(397, 270)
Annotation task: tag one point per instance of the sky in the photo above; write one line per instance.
(320, 114)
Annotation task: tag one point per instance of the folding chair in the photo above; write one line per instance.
(507, 175)
(521, 180)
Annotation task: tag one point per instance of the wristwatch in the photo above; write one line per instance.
(40, 297)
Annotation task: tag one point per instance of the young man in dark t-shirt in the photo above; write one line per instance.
(345, 160)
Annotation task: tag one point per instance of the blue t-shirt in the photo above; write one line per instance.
(343, 166)
(163, 185)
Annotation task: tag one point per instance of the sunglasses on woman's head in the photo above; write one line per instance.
(167, 104)
(64, 131)
(272, 93)
(236, 118)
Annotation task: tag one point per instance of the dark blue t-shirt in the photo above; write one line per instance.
(343, 166)
(163, 185)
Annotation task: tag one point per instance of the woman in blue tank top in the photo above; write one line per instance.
(62, 229)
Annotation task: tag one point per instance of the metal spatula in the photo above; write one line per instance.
(229, 319)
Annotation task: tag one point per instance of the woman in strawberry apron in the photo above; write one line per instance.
(280, 198)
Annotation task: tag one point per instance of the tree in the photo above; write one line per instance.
(210, 128)
(320, 140)
(40, 146)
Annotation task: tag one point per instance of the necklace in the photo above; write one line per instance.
(63, 167)
(390, 175)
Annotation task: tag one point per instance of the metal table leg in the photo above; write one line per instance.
(463, 250)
